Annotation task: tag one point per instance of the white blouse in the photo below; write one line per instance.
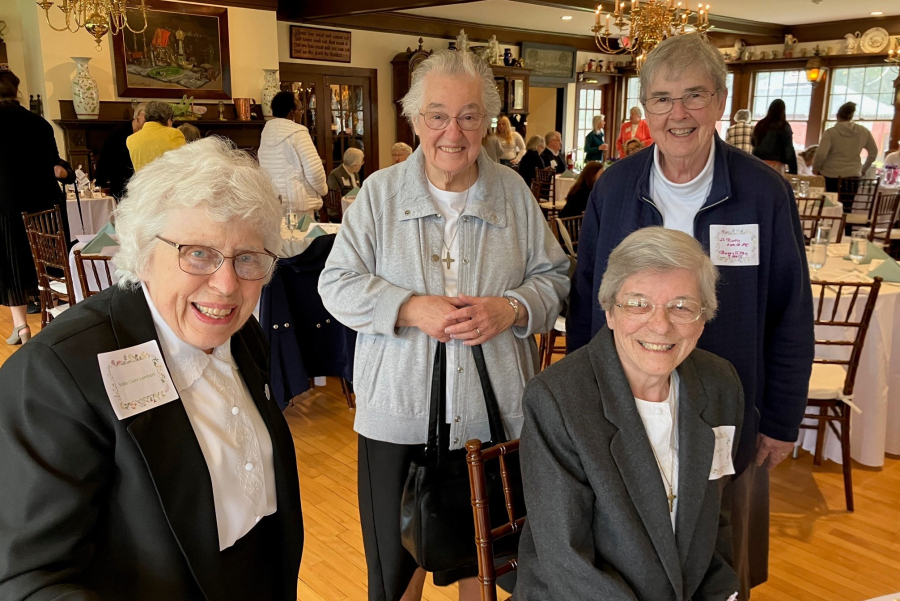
(232, 435)
(659, 419)
(512, 151)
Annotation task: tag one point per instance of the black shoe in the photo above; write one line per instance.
(33, 309)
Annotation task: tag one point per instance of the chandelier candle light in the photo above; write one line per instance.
(97, 17)
(647, 24)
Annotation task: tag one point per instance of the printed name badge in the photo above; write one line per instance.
(734, 245)
(136, 379)
(721, 463)
(345, 181)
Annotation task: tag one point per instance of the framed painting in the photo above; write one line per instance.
(182, 51)
(549, 63)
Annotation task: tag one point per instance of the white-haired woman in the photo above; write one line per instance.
(628, 442)
(400, 152)
(447, 246)
(532, 161)
(142, 458)
(635, 127)
(344, 177)
(740, 135)
(595, 145)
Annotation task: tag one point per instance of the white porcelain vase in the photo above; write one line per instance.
(85, 93)
(269, 90)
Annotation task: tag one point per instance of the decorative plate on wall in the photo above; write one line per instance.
(874, 40)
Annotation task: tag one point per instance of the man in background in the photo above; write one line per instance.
(114, 168)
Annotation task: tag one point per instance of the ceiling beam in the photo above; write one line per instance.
(319, 9)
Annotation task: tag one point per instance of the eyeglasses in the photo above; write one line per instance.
(680, 311)
(468, 122)
(204, 260)
(660, 105)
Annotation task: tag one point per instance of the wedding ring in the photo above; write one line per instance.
(479, 332)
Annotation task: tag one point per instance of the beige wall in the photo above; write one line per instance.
(22, 50)
(542, 107)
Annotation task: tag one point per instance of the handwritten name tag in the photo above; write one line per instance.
(136, 379)
(734, 245)
(721, 463)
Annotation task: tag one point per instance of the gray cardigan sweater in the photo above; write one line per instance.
(389, 248)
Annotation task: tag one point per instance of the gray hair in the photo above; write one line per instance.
(353, 156)
(550, 135)
(139, 110)
(209, 173)
(159, 112)
(535, 142)
(401, 146)
(636, 109)
(680, 53)
(191, 133)
(659, 250)
(743, 116)
(450, 63)
(597, 119)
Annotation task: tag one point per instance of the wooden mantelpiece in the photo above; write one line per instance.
(84, 138)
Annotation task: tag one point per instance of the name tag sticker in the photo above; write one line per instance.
(136, 379)
(553, 163)
(721, 463)
(345, 181)
(734, 245)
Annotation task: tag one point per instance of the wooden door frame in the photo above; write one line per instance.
(560, 109)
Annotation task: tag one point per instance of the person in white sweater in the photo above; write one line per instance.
(511, 142)
(288, 154)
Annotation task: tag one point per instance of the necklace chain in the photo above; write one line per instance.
(670, 478)
(443, 239)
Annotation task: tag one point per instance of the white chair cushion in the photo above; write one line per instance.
(57, 311)
(58, 287)
(827, 381)
(857, 218)
(560, 325)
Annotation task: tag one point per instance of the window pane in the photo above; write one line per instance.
(856, 81)
(762, 83)
(839, 81)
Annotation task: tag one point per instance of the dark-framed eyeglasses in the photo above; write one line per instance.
(660, 105)
(438, 120)
(680, 311)
(205, 260)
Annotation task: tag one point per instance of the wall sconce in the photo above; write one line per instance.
(815, 71)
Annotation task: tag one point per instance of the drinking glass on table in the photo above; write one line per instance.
(823, 231)
(859, 244)
(818, 253)
(803, 186)
(291, 216)
(794, 182)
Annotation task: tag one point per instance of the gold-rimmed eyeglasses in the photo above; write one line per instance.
(205, 260)
(660, 105)
(438, 120)
(680, 310)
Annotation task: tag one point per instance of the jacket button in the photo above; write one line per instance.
(287, 325)
(455, 441)
(406, 213)
(465, 220)
(457, 419)
(439, 216)
(275, 326)
(435, 258)
(465, 261)
(459, 370)
(318, 325)
(327, 321)
(494, 218)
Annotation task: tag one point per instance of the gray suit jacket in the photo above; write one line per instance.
(598, 523)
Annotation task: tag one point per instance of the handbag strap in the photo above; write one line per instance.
(498, 434)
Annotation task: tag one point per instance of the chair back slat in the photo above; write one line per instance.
(884, 215)
(536, 189)
(47, 238)
(547, 180)
(810, 207)
(92, 261)
(572, 225)
(809, 225)
(857, 194)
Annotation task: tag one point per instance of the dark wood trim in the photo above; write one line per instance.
(320, 9)
(126, 91)
(255, 4)
(293, 68)
(895, 125)
(413, 25)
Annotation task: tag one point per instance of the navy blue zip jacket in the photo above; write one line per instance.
(764, 325)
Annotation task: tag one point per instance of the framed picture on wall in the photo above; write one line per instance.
(182, 51)
(549, 63)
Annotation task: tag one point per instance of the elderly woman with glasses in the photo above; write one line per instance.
(448, 247)
(744, 215)
(141, 456)
(628, 442)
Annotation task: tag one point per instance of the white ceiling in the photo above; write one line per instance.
(519, 15)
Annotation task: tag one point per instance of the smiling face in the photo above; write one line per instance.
(650, 351)
(684, 135)
(452, 149)
(203, 310)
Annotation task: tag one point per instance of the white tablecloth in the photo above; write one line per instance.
(95, 211)
(876, 430)
(294, 245)
(563, 186)
(346, 201)
(88, 272)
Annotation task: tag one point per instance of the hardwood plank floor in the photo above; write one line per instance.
(819, 552)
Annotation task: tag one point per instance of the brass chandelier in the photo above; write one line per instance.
(647, 24)
(97, 17)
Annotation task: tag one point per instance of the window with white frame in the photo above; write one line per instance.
(796, 92)
(872, 89)
(722, 126)
(632, 96)
(590, 103)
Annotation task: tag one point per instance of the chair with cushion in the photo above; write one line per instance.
(100, 283)
(496, 557)
(547, 195)
(51, 260)
(884, 216)
(858, 197)
(839, 307)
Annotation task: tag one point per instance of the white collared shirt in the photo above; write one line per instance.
(659, 420)
(232, 435)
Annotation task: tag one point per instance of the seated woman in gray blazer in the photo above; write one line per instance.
(628, 442)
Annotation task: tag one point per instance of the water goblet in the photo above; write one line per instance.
(803, 187)
(818, 253)
(858, 249)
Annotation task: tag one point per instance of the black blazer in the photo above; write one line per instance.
(549, 158)
(28, 154)
(531, 162)
(92, 507)
(598, 525)
(114, 168)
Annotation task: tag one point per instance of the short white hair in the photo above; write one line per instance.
(636, 109)
(550, 135)
(535, 142)
(353, 156)
(210, 173)
(742, 116)
(597, 119)
(659, 250)
(451, 63)
(401, 147)
(681, 53)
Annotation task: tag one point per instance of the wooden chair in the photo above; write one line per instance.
(810, 207)
(547, 179)
(92, 261)
(486, 536)
(536, 189)
(570, 230)
(815, 181)
(549, 345)
(809, 224)
(884, 214)
(858, 197)
(331, 205)
(51, 260)
(832, 380)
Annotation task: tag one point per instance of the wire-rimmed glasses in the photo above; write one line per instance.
(660, 105)
(205, 260)
(679, 310)
(439, 120)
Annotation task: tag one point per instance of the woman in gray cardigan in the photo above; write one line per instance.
(628, 442)
(447, 246)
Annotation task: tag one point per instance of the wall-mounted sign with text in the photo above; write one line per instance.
(320, 44)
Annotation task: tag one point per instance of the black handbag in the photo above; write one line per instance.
(436, 519)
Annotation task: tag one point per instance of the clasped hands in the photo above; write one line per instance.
(472, 319)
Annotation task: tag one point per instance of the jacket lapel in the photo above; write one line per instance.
(172, 455)
(697, 445)
(631, 451)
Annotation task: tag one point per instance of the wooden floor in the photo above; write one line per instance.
(819, 552)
